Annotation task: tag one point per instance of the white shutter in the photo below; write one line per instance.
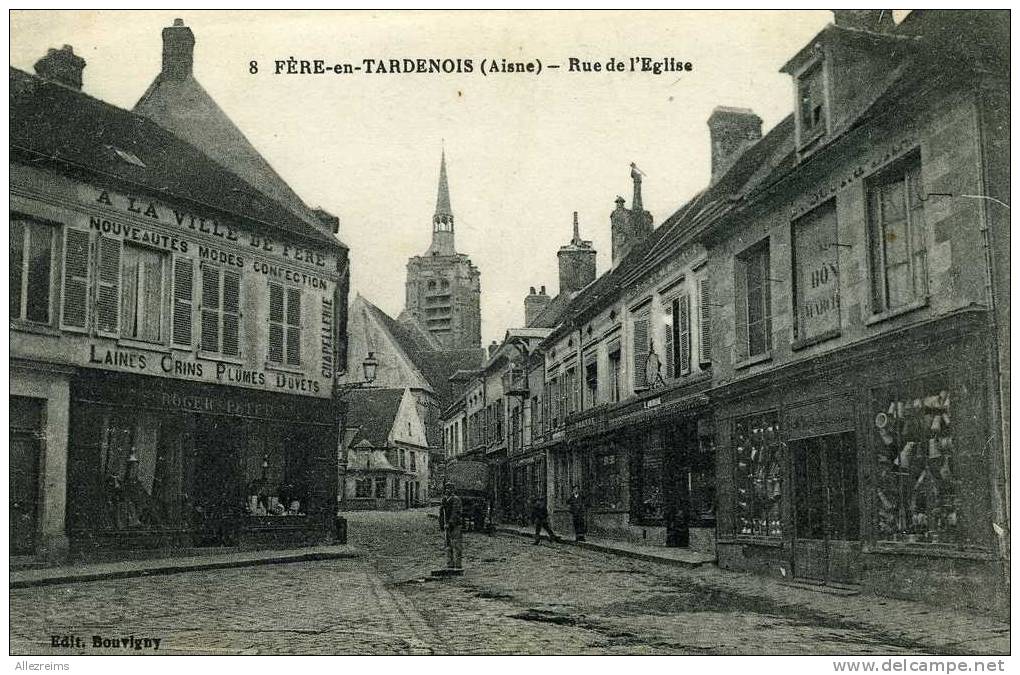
(293, 327)
(108, 289)
(704, 324)
(183, 298)
(684, 329)
(75, 287)
(210, 309)
(231, 313)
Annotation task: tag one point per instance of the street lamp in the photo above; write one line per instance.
(340, 392)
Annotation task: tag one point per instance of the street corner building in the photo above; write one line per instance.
(805, 369)
(177, 317)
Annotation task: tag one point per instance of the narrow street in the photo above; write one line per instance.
(515, 598)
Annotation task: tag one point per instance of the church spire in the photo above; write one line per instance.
(442, 221)
(444, 213)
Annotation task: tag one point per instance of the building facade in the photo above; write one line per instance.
(443, 291)
(174, 333)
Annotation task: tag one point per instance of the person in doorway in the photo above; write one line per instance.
(451, 520)
(540, 517)
(577, 513)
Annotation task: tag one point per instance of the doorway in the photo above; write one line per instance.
(26, 416)
(826, 546)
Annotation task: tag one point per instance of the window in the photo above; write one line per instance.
(77, 280)
(754, 301)
(897, 232)
(142, 300)
(403, 459)
(395, 494)
(642, 346)
(380, 488)
(552, 403)
(31, 269)
(284, 325)
(414, 463)
(811, 103)
(614, 372)
(221, 312)
(570, 391)
(816, 272)
(591, 380)
(363, 488)
(921, 455)
(676, 351)
(758, 475)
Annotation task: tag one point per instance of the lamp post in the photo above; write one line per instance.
(340, 391)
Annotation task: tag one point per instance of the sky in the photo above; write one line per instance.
(524, 151)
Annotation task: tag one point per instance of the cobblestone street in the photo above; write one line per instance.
(514, 598)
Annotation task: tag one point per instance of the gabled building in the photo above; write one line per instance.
(387, 453)
(174, 330)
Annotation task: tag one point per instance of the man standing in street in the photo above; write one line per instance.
(540, 516)
(450, 521)
(577, 514)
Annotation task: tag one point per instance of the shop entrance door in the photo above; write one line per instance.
(24, 497)
(218, 485)
(826, 544)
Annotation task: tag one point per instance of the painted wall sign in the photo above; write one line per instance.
(816, 263)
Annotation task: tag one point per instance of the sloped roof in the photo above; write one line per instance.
(435, 365)
(59, 124)
(375, 459)
(372, 412)
(184, 107)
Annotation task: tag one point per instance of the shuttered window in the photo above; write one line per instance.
(704, 323)
(108, 288)
(669, 339)
(31, 269)
(284, 325)
(220, 310)
(74, 304)
(183, 294)
(639, 326)
(143, 279)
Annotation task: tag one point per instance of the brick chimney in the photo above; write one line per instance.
(577, 262)
(62, 66)
(629, 226)
(874, 20)
(178, 51)
(732, 131)
(534, 304)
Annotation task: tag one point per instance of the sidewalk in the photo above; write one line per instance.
(680, 557)
(137, 568)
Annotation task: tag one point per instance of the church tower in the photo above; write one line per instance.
(443, 292)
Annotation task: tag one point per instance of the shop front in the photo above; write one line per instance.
(869, 468)
(165, 464)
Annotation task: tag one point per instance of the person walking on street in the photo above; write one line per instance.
(450, 521)
(577, 513)
(540, 516)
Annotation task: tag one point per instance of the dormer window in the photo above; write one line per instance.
(811, 108)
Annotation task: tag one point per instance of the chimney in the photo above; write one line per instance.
(732, 131)
(874, 20)
(629, 226)
(62, 66)
(577, 262)
(327, 219)
(178, 51)
(493, 346)
(534, 304)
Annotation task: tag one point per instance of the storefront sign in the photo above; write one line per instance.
(190, 367)
(816, 250)
(155, 212)
(818, 418)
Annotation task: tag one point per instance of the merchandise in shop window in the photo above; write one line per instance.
(758, 476)
(916, 490)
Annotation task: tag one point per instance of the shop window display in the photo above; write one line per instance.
(604, 477)
(758, 475)
(917, 464)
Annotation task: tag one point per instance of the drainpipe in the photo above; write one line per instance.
(999, 513)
